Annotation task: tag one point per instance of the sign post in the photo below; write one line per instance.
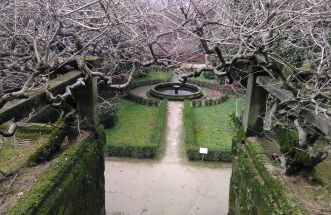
(203, 151)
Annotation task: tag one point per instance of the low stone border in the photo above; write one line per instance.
(141, 100)
(194, 103)
(36, 97)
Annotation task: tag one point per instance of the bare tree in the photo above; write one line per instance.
(40, 39)
(286, 40)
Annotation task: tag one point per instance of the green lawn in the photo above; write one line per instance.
(203, 79)
(212, 124)
(138, 131)
(212, 128)
(155, 76)
(17, 150)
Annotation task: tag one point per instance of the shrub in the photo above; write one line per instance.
(214, 154)
(208, 75)
(108, 118)
(140, 149)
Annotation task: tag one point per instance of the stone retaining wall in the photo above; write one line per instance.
(73, 184)
(254, 189)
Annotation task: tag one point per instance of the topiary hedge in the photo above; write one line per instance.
(191, 146)
(214, 154)
(209, 102)
(146, 150)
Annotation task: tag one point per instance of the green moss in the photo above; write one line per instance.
(49, 147)
(29, 138)
(253, 188)
(323, 173)
(73, 184)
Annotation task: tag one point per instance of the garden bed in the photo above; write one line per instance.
(210, 127)
(138, 132)
(154, 76)
(32, 144)
(30, 140)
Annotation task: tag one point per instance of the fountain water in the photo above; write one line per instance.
(175, 91)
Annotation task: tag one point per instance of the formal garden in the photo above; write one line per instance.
(165, 107)
(140, 129)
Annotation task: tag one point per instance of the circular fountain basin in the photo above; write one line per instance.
(175, 91)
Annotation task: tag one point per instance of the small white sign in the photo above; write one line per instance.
(203, 151)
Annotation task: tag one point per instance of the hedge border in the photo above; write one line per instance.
(191, 146)
(213, 86)
(148, 150)
(51, 147)
(156, 102)
(141, 100)
(209, 102)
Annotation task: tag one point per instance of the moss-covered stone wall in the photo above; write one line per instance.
(20, 107)
(253, 189)
(73, 184)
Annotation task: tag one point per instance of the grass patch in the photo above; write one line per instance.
(210, 127)
(17, 150)
(138, 132)
(155, 76)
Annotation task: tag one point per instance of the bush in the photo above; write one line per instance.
(131, 150)
(108, 118)
(214, 154)
(208, 75)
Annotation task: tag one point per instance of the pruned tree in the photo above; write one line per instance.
(41, 39)
(288, 41)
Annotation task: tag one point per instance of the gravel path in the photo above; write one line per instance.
(168, 185)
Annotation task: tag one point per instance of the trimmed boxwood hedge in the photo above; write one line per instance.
(191, 145)
(215, 154)
(146, 150)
